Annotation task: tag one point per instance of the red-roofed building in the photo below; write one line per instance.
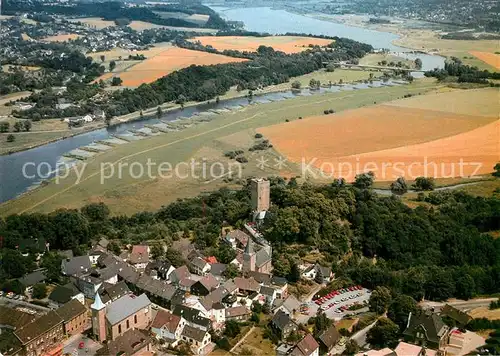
(211, 259)
(308, 346)
(168, 327)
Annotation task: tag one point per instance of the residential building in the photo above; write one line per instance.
(198, 338)
(88, 285)
(139, 257)
(239, 313)
(462, 342)
(317, 271)
(110, 293)
(133, 342)
(178, 274)
(461, 318)
(383, 352)
(426, 329)
(168, 327)
(112, 320)
(328, 339)
(61, 295)
(193, 317)
(43, 336)
(246, 286)
(76, 266)
(35, 277)
(205, 285)
(283, 325)
(290, 305)
(75, 317)
(199, 266)
(404, 349)
(237, 239)
(308, 346)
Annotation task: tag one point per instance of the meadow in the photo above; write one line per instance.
(287, 44)
(407, 136)
(61, 38)
(227, 131)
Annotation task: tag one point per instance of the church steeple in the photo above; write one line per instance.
(98, 304)
(249, 257)
(99, 318)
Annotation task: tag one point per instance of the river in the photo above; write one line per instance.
(13, 181)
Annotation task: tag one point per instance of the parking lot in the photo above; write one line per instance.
(335, 305)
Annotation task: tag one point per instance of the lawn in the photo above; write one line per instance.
(128, 194)
(257, 344)
(374, 59)
(26, 140)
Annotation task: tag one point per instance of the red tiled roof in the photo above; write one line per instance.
(164, 318)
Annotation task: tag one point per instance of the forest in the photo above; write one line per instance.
(437, 251)
(463, 73)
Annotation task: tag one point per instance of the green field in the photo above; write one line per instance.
(26, 140)
(373, 59)
(227, 131)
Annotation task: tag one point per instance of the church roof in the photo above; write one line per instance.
(249, 249)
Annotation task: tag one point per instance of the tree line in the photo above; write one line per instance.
(463, 73)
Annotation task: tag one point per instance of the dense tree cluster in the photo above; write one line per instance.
(464, 73)
(438, 252)
(117, 11)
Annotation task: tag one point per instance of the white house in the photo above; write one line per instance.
(87, 118)
(198, 338)
(168, 327)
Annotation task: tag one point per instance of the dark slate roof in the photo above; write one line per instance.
(63, 294)
(191, 315)
(71, 310)
(33, 278)
(279, 281)
(456, 314)
(267, 291)
(262, 257)
(260, 277)
(127, 344)
(39, 327)
(281, 319)
(181, 272)
(115, 291)
(432, 323)
(76, 265)
(199, 262)
(330, 337)
(218, 269)
(193, 333)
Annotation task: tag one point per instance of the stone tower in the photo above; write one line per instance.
(249, 257)
(260, 194)
(99, 318)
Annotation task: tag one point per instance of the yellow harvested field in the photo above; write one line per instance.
(490, 58)
(61, 38)
(287, 44)
(141, 25)
(477, 102)
(484, 312)
(392, 141)
(168, 61)
(116, 53)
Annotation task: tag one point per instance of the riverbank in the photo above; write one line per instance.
(346, 76)
(419, 36)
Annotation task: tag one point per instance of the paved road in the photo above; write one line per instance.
(70, 346)
(460, 304)
(360, 336)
